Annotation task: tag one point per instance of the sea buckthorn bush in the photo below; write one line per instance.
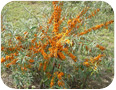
(59, 54)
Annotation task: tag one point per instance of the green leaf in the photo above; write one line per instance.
(34, 27)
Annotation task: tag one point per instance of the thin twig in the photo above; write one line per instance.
(31, 14)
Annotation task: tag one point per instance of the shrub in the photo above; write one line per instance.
(58, 55)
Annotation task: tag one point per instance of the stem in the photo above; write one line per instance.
(41, 83)
(53, 68)
(85, 80)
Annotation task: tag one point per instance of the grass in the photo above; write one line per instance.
(16, 13)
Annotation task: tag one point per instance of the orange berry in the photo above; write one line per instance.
(98, 9)
(69, 21)
(7, 57)
(31, 60)
(2, 59)
(60, 83)
(2, 48)
(15, 54)
(23, 68)
(52, 82)
(8, 65)
(86, 64)
(35, 35)
(25, 32)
